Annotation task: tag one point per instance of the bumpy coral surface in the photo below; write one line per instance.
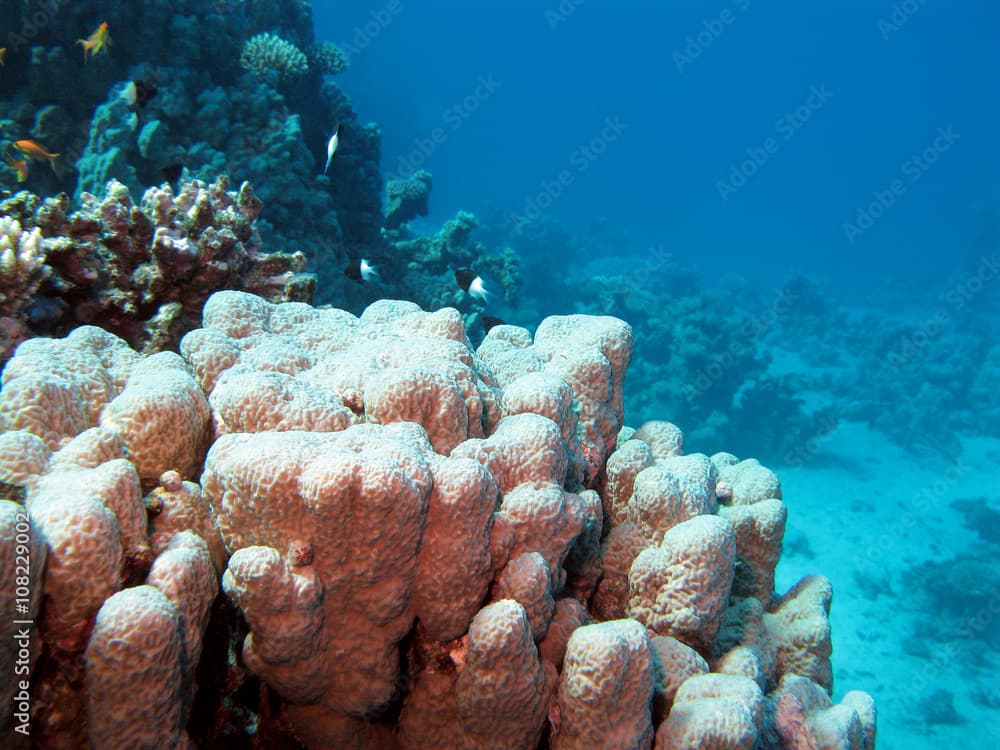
(419, 544)
(265, 54)
(143, 270)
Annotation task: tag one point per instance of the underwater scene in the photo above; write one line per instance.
(546, 374)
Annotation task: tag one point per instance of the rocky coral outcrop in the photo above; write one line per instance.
(143, 270)
(426, 545)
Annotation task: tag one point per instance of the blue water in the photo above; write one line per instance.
(852, 97)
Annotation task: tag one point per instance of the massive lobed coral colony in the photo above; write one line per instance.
(418, 544)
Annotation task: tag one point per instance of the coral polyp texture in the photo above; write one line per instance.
(266, 54)
(142, 269)
(321, 530)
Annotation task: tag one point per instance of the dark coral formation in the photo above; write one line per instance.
(406, 199)
(208, 116)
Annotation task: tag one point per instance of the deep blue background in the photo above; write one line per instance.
(891, 92)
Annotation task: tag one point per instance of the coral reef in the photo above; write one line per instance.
(917, 365)
(266, 54)
(406, 199)
(427, 276)
(205, 114)
(419, 544)
(703, 356)
(142, 270)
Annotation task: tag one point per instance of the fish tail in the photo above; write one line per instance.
(52, 160)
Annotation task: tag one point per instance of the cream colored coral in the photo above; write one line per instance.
(605, 689)
(714, 712)
(185, 573)
(421, 395)
(663, 497)
(22, 264)
(396, 363)
(179, 506)
(503, 691)
(751, 482)
(90, 449)
(137, 649)
(266, 52)
(675, 663)
(85, 560)
(612, 338)
(508, 353)
(545, 519)
(246, 400)
(115, 484)
(23, 455)
(806, 717)
(523, 448)
(162, 416)
(664, 438)
(283, 606)
(759, 528)
(454, 565)
(623, 466)
(59, 388)
(799, 630)
(544, 393)
(359, 499)
(681, 587)
(526, 579)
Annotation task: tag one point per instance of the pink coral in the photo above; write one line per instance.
(405, 522)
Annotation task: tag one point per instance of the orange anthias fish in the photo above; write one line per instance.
(20, 166)
(96, 41)
(3, 51)
(36, 152)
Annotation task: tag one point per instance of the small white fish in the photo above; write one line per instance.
(361, 271)
(331, 148)
(472, 284)
(477, 290)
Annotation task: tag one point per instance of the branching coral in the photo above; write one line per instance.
(266, 54)
(327, 58)
(143, 270)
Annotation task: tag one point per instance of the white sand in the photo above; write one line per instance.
(868, 511)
